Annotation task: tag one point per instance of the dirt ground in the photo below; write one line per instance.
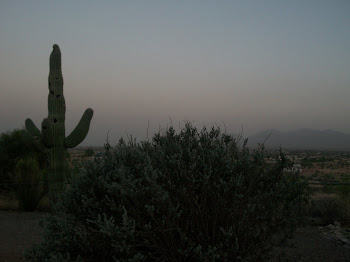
(19, 230)
(311, 244)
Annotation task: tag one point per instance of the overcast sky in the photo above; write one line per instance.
(252, 64)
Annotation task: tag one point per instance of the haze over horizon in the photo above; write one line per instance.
(252, 64)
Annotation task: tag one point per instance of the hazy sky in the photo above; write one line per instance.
(257, 64)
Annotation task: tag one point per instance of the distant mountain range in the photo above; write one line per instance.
(303, 139)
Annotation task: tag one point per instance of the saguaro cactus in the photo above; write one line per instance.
(52, 134)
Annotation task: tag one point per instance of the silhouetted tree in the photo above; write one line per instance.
(15, 145)
(89, 152)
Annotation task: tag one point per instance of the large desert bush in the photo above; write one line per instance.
(187, 196)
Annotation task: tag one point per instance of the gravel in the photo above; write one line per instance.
(18, 231)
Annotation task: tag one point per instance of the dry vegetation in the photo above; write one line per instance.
(329, 201)
(328, 176)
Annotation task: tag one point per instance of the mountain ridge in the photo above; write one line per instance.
(302, 139)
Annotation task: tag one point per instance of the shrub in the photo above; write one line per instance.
(30, 179)
(330, 209)
(16, 145)
(343, 190)
(187, 196)
(89, 152)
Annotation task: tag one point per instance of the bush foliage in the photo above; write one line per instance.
(31, 186)
(89, 152)
(15, 145)
(187, 196)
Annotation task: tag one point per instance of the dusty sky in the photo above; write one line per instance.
(251, 64)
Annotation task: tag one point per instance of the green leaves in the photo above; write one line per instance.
(15, 145)
(30, 179)
(192, 195)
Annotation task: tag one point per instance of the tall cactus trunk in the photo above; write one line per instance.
(56, 118)
(52, 133)
(57, 172)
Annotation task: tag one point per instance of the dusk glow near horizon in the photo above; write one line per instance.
(142, 65)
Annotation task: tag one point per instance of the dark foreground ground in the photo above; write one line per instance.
(19, 230)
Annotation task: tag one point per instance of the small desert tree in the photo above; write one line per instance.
(30, 183)
(89, 152)
(15, 145)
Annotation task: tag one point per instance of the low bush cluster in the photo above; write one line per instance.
(31, 186)
(23, 164)
(183, 196)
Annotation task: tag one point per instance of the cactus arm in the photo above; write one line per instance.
(46, 130)
(52, 135)
(31, 128)
(81, 130)
(35, 132)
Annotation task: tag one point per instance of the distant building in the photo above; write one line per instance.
(296, 168)
(99, 155)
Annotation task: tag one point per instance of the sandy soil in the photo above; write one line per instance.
(311, 244)
(19, 230)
